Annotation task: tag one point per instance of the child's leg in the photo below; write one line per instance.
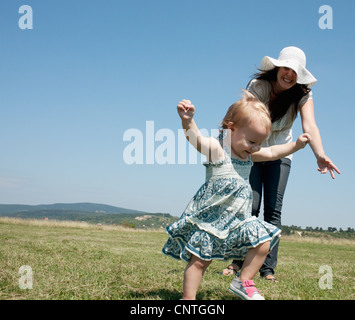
(253, 261)
(243, 286)
(193, 275)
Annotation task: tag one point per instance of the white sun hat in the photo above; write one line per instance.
(294, 58)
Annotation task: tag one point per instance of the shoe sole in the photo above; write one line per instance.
(237, 292)
(241, 295)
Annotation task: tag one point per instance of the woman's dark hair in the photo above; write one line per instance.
(287, 99)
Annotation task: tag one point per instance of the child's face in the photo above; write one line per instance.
(248, 139)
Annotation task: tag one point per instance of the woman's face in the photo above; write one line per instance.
(286, 78)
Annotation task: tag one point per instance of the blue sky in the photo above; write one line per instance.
(89, 71)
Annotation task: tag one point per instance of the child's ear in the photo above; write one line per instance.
(231, 126)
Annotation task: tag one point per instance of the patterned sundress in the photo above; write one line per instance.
(217, 223)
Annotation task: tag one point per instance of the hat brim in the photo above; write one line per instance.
(303, 75)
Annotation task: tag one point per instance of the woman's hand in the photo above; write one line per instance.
(325, 165)
(309, 125)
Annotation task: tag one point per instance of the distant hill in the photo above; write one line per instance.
(88, 212)
(84, 206)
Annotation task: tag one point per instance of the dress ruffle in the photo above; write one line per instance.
(188, 238)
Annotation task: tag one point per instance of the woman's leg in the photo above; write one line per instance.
(256, 178)
(194, 272)
(276, 175)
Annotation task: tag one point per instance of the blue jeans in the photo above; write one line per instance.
(270, 176)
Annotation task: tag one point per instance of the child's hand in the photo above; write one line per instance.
(303, 139)
(186, 110)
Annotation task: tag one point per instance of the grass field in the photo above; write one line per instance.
(79, 261)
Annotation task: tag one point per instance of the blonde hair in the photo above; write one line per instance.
(244, 110)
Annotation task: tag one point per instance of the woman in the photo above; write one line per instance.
(283, 84)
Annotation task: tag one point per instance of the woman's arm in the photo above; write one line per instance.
(208, 146)
(279, 151)
(309, 126)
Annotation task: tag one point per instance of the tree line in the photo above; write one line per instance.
(287, 230)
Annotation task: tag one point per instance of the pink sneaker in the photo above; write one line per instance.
(245, 289)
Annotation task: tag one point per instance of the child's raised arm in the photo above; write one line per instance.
(282, 150)
(206, 145)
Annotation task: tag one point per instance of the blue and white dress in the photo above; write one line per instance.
(217, 223)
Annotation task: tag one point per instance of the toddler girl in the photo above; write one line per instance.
(217, 223)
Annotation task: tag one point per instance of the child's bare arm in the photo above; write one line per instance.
(282, 150)
(205, 145)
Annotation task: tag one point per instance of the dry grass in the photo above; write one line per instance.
(319, 240)
(77, 260)
(70, 224)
